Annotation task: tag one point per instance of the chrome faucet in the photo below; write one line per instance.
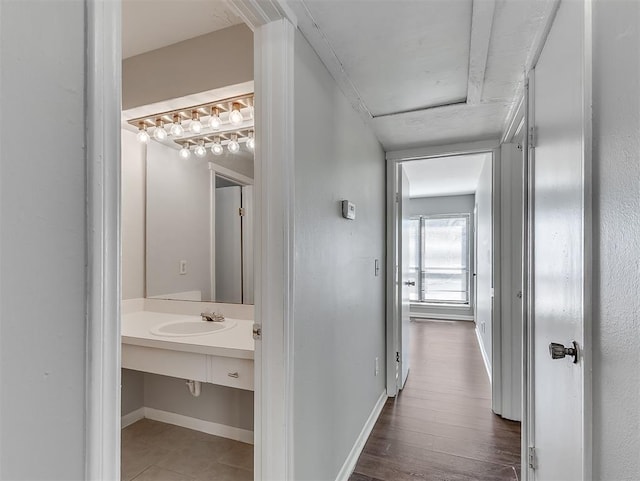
(212, 316)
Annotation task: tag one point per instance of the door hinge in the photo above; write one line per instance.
(532, 457)
(397, 356)
(257, 331)
(241, 212)
(532, 137)
(397, 197)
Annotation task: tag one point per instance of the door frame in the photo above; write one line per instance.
(392, 329)
(273, 26)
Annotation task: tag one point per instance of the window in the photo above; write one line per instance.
(439, 259)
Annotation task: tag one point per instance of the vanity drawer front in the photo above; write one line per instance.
(186, 365)
(232, 372)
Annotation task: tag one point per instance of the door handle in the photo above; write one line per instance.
(558, 351)
(410, 283)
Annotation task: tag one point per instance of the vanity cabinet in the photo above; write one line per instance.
(225, 371)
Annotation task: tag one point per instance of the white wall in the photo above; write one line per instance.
(133, 205)
(42, 240)
(339, 305)
(456, 204)
(484, 277)
(178, 223)
(616, 159)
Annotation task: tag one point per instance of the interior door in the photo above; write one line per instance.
(560, 207)
(404, 275)
(228, 245)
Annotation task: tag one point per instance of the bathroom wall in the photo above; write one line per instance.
(217, 404)
(43, 240)
(457, 204)
(178, 219)
(133, 202)
(207, 62)
(339, 303)
(484, 274)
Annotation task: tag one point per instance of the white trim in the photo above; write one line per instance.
(230, 174)
(350, 463)
(102, 120)
(132, 417)
(497, 384)
(539, 40)
(440, 317)
(222, 430)
(481, 23)
(442, 150)
(274, 253)
(587, 288)
(515, 124)
(485, 357)
(257, 13)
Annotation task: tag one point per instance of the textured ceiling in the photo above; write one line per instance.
(428, 72)
(151, 24)
(454, 175)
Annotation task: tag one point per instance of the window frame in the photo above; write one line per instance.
(420, 288)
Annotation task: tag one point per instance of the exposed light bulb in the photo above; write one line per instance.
(251, 109)
(200, 151)
(217, 148)
(185, 153)
(159, 132)
(215, 121)
(251, 141)
(233, 146)
(176, 129)
(143, 136)
(235, 116)
(195, 126)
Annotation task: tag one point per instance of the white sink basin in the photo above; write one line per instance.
(191, 327)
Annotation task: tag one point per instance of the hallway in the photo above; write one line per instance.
(441, 426)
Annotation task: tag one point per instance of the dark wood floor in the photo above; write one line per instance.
(441, 426)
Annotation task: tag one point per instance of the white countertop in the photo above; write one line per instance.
(234, 342)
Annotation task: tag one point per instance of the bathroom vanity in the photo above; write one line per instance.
(171, 339)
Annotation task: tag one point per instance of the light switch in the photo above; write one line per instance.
(183, 268)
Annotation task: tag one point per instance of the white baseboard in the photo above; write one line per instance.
(229, 432)
(132, 417)
(350, 463)
(485, 358)
(440, 317)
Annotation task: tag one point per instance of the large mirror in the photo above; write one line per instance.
(199, 235)
(199, 219)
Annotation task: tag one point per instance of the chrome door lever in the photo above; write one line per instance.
(410, 283)
(558, 351)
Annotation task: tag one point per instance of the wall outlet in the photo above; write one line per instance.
(377, 366)
(183, 268)
(482, 327)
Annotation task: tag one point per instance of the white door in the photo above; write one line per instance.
(404, 276)
(559, 250)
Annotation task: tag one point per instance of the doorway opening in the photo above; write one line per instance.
(188, 142)
(455, 242)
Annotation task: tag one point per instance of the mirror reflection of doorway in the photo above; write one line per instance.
(233, 241)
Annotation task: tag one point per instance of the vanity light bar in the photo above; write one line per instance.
(215, 142)
(229, 110)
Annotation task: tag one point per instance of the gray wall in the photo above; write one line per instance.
(339, 304)
(207, 62)
(133, 205)
(218, 404)
(132, 391)
(42, 241)
(616, 158)
(484, 252)
(178, 223)
(456, 204)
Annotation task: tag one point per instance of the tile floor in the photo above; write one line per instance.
(155, 451)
